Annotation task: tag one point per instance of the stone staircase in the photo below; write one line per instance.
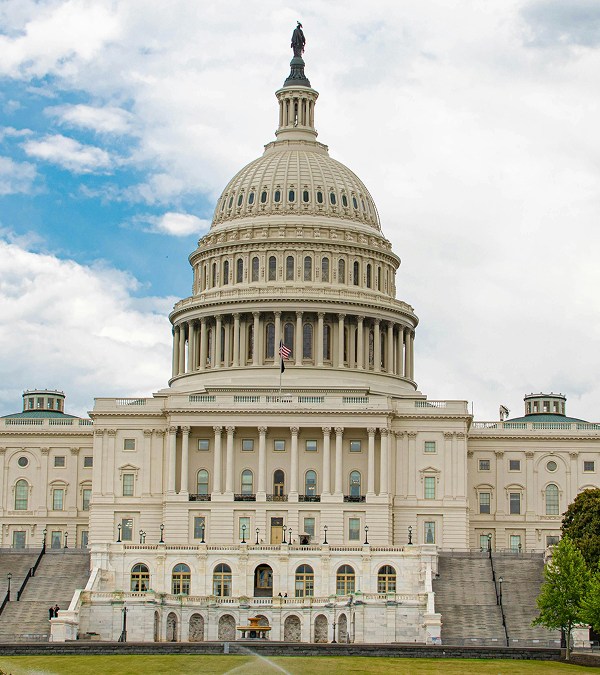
(466, 599)
(522, 577)
(17, 562)
(60, 573)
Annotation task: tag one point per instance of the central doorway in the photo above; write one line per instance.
(263, 582)
(276, 530)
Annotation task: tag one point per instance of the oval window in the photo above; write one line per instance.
(291, 196)
(277, 195)
(305, 196)
(332, 198)
(354, 202)
(231, 201)
(251, 198)
(22, 462)
(344, 200)
(263, 197)
(320, 197)
(240, 199)
(552, 465)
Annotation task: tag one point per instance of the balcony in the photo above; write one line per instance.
(244, 498)
(355, 499)
(309, 498)
(199, 498)
(277, 498)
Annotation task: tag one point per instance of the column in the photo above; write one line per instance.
(412, 355)
(185, 445)
(384, 463)
(298, 340)
(255, 340)
(500, 482)
(339, 436)
(229, 461)
(172, 458)
(529, 486)
(147, 462)
(340, 359)
(217, 341)
(390, 347)
(320, 336)
(400, 352)
(191, 360)
(203, 343)
(412, 464)
(277, 334)
(110, 462)
(573, 477)
(351, 345)
(217, 484)
(326, 488)
(360, 347)
(294, 462)
(181, 361)
(449, 460)
(98, 471)
(236, 340)
(175, 368)
(227, 346)
(262, 463)
(377, 346)
(407, 353)
(371, 462)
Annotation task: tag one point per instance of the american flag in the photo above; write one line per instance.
(284, 351)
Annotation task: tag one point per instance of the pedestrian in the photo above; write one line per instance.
(285, 595)
(56, 608)
(50, 613)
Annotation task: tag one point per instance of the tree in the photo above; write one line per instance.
(581, 523)
(566, 584)
(590, 608)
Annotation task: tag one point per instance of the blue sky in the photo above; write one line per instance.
(474, 127)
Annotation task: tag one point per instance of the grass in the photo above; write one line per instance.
(248, 665)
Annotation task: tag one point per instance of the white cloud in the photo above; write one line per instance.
(69, 153)
(108, 120)
(15, 177)
(76, 328)
(179, 224)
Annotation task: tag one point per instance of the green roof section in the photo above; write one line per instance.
(40, 414)
(545, 417)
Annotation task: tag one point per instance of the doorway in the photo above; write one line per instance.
(276, 530)
(263, 582)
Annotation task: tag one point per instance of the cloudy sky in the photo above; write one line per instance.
(475, 126)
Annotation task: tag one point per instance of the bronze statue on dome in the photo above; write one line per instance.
(298, 40)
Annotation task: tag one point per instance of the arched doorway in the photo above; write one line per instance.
(262, 620)
(343, 628)
(292, 629)
(172, 627)
(156, 627)
(321, 628)
(226, 628)
(196, 633)
(263, 582)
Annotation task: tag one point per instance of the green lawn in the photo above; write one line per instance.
(246, 665)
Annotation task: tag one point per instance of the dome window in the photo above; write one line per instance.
(341, 271)
(344, 200)
(307, 268)
(255, 266)
(289, 268)
(332, 198)
(222, 205)
(362, 201)
(277, 196)
(263, 197)
(230, 202)
(272, 268)
(354, 203)
(319, 197)
(291, 196)
(305, 196)
(325, 269)
(240, 200)
(251, 198)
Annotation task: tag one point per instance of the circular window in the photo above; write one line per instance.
(552, 465)
(22, 461)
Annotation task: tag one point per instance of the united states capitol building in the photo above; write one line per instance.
(318, 498)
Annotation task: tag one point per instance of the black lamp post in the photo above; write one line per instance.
(202, 531)
(257, 531)
(500, 580)
(123, 636)
(410, 535)
(284, 539)
(162, 534)
(243, 534)
(66, 540)
(9, 577)
(44, 532)
(334, 641)
(366, 535)
(290, 538)
(119, 533)
(490, 544)
(325, 528)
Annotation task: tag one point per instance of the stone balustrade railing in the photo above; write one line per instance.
(45, 422)
(536, 426)
(276, 548)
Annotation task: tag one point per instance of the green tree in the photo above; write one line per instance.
(590, 608)
(566, 584)
(581, 523)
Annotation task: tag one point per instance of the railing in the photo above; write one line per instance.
(311, 399)
(3, 605)
(244, 498)
(277, 498)
(538, 426)
(199, 498)
(355, 399)
(431, 404)
(130, 401)
(246, 399)
(45, 421)
(309, 498)
(31, 572)
(202, 398)
(350, 498)
(498, 597)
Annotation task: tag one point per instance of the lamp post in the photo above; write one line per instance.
(257, 531)
(8, 577)
(162, 534)
(243, 534)
(123, 636)
(500, 580)
(202, 531)
(410, 535)
(66, 540)
(490, 544)
(366, 535)
(143, 537)
(334, 641)
(284, 540)
(119, 533)
(290, 537)
(325, 528)
(44, 532)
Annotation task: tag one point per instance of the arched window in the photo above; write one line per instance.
(270, 342)
(305, 582)
(277, 196)
(180, 579)
(552, 506)
(369, 275)
(272, 268)
(222, 581)
(344, 200)
(288, 337)
(213, 281)
(307, 268)
(325, 269)
(305, 196)
(263, 197)
(289, 268)
(247, 482)
(310, 483)
(371, 347)
(278, 483)
(255, 266)
(382, 349)
(327, 342)
(378, 278)
(250, 342)
(346, 343)
(345, 580)
(341, 271)
(225, 272)
(386, 579)
(355, 484)
(21, 495)
(239, 274)
(251, 198)
(332, 198)
(209, 346)
(202, 482)
(356, 273)
(140, 578)
(307, 341)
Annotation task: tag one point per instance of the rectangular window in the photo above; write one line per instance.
(19, 539)
(484, 464)
(355, 446)
(128, 484)
(203, 444)
(354, 529)
(50, 404)
(30, 403)
(129, 444)
(429, 532)
(484, 502)
(244, 527)
(484, 542)
(40, 403)
(515, 503)
(127, 529)
(429, 492)
(247, 444)
(279, 446)
(310, 446)
(56, 539)
(83, 542)
(515, 543)
(552, 540)
(88, 462)
(588, 466)
(86, 495)
(58, 496)
(199, 527)
(309, 526)
(59, 461)
(514, 464)
(429, 446)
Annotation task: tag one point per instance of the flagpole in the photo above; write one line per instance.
(280, 362)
